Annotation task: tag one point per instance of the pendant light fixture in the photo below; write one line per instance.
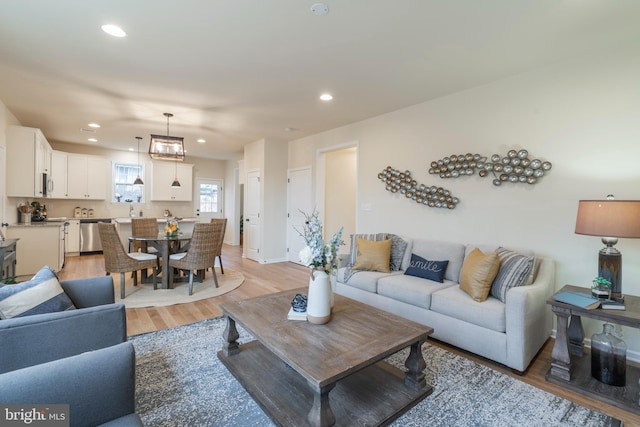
(165, 147)
(138, 180)
(176, 183)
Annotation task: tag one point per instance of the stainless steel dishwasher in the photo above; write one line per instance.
(89, 235)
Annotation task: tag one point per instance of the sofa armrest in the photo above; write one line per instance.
(90, 292)
(99, 386)
(528, 316)
(40, 338)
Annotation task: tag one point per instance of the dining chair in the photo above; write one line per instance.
(222, 221)
(117, 260)
(142, 227)
(201, 253)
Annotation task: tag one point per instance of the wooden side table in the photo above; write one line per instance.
(571, 367)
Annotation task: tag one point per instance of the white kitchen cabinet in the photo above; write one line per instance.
(39, 245)
(58, 186)
(28, 162)
(87, 177)
(163, 174)
(72, 239)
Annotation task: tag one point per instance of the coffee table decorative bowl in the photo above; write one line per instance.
(321, 375)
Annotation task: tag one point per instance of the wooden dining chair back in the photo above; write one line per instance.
(117, 260)
(143, 227)
(200, 254)
(222, 221)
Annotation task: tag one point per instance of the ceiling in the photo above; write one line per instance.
(236, 71)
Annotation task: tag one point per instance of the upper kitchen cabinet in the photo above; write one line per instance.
(58, 175)
(28, 162)
(87, 177)
(163, 175)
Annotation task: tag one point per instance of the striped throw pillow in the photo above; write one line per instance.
(514, 270)
(41, 294)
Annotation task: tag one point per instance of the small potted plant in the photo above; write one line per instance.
(600, 288)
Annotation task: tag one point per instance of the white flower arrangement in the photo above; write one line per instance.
(318, 254)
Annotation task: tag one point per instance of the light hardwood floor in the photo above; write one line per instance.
(264, 279)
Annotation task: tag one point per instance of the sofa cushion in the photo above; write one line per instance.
(514, 270)
(454, 302)
(478, 272)
(437, 250)
(410, 289)
(362, 279)
(398, 249)
(353, 249)
(372, 255)
(41, 294)
(432, 270)
(524, 251)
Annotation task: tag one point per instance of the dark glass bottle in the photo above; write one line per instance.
(608, 357)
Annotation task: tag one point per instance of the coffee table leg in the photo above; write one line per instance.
(230, 335)
(321, 414)
(415, 377)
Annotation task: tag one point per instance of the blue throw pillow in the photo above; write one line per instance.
(41, 294)
(432, 270)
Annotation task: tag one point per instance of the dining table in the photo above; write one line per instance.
(165, 244)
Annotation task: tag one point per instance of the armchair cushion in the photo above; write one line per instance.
(98, 386)
(41, 294)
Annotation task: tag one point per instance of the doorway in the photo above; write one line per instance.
(336, 190)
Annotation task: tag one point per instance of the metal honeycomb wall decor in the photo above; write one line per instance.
(514, 167)
(402, 182)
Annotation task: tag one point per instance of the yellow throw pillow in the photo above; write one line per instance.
(478, 272)
(373, 255)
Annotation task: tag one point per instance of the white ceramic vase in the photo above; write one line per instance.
(319, 298)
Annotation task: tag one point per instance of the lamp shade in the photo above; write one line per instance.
(609, 218)
(164, 147)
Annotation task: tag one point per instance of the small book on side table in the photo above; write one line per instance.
(612, 305)
(578, 299)
(296, 315)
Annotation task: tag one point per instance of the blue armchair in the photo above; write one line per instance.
(97, 323)
(98, 386)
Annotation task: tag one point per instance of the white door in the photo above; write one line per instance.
(298, 201)
(208, 199)
(251, 229)
(3, 191)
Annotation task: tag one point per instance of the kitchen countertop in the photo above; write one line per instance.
(38, 224)
(127, 220)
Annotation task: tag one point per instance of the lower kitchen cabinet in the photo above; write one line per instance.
(39, 245)
(72, 239)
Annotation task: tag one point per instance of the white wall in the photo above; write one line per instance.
(582, 114)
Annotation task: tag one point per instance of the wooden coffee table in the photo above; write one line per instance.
(321, 375)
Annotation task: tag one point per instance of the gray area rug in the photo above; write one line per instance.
(181, 382)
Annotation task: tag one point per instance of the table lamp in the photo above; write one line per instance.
(609, 219)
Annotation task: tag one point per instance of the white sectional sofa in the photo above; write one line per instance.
(510, 332)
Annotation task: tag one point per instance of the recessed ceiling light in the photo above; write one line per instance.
(92, 140)
(289, 129)
(93, 125)
(87, 130)
(319, 9)
(326, 97)
(202, 141)
(113, 30)
(131, 149)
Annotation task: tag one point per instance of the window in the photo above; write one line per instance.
(123, 189)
